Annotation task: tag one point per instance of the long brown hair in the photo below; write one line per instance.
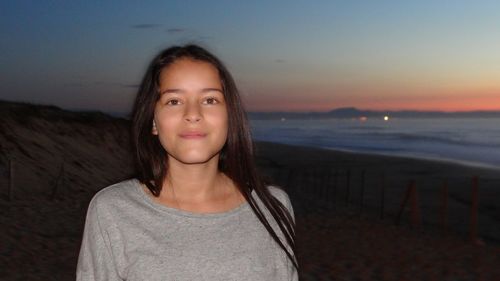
(236, 157)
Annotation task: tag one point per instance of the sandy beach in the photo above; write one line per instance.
(340, 239)
(332, 179)
(342, 231)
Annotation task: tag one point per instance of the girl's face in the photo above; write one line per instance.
(190, 117)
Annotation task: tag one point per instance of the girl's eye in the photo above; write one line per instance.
(211, 101)
(173, 102)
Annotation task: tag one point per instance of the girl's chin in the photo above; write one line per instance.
(194, 158)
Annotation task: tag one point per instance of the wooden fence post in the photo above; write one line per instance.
(323, 184)
(362, 195)
(416, 219)
(317, 183)
(328, 184)
(406, 198)
(328, 187)
(10, 191)
(335, 184)
(412, 197)
(288, 183)
(300, 184)
(382, 195)
(305, 186)
(312, 181)
(348, 185)
(474, 209)
(444, 206)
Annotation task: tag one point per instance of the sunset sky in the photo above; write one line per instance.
(285, 56)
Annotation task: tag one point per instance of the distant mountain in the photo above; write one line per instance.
(352, 112)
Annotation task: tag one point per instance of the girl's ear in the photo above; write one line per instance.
(154, 131)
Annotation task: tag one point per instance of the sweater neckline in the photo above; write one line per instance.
(147, 198)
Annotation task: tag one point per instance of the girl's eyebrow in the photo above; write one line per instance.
(211, 90)
(180, 91)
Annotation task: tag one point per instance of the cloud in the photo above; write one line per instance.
(176, 30)
(204, 37)
(75, 84)
(145, 26)
(115, 84)
(134, 86)
(102, 83)
(280, 61)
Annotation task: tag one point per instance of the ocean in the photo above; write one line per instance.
(470, 141)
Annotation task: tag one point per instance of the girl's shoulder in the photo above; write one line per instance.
(115, 196)
(280, 194)
(116, 191)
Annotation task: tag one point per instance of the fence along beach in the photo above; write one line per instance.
(445, 194)
(346, 204)
(374, 217)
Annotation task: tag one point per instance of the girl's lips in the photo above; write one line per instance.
(192, 135)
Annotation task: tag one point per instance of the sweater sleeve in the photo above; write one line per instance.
(282, 196)
(288, 205)
(95, 261)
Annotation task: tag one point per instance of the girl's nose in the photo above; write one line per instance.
(193, 113)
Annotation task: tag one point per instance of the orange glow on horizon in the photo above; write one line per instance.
(444, 100)
(459, 104)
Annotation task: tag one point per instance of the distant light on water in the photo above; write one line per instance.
(363, 118)
(386, 118)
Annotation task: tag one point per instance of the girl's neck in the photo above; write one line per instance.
(195, 183)
(199, 188)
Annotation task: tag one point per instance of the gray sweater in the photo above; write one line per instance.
(128, 236)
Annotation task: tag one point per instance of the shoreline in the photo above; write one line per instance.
(451, 161)
(346, 153)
